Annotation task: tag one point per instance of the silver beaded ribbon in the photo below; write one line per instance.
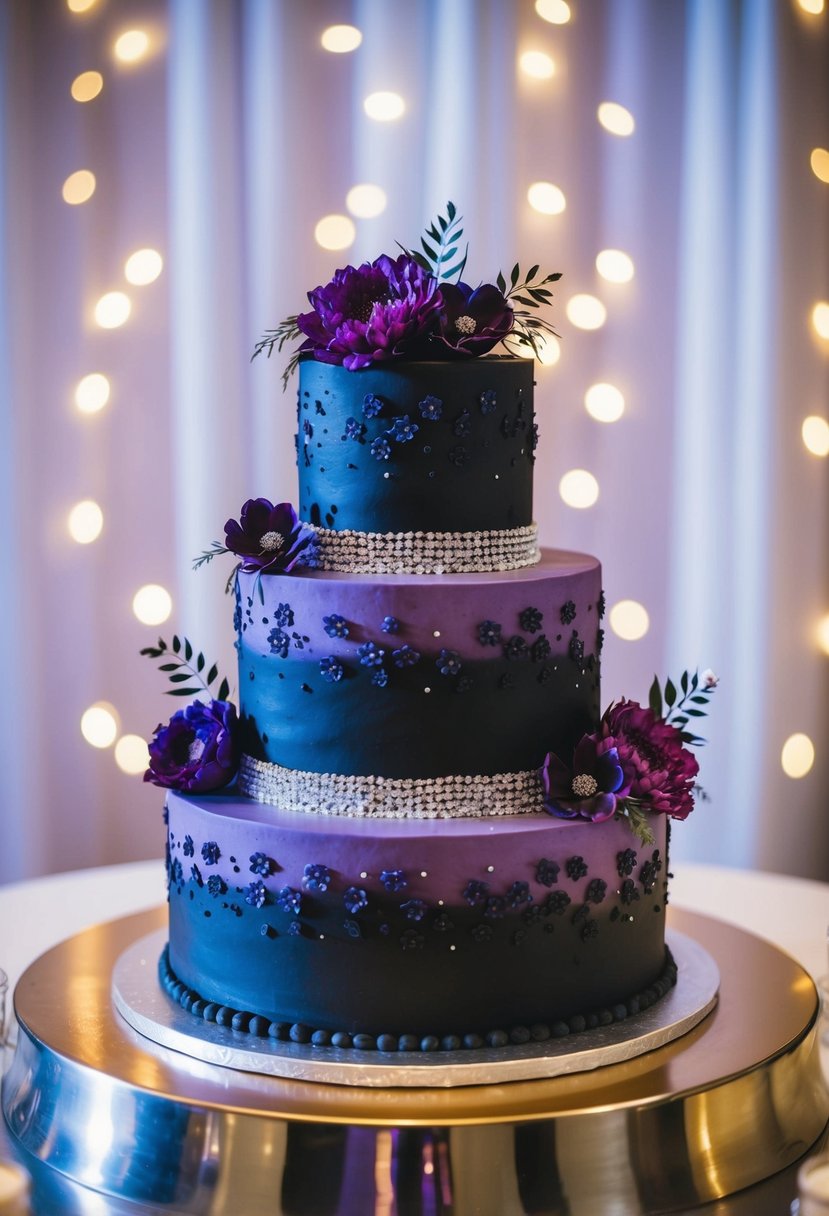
(351, 552)
(454, 797)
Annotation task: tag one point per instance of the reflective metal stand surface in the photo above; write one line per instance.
(98, 1111)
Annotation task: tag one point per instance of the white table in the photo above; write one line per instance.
(793, 913)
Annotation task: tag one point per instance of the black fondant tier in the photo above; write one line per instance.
(433, 446)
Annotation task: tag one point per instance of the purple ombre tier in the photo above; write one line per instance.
(419, 675)
(410, 927)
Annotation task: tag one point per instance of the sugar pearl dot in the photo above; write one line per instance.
(386, 475)
(436, 633)
(364, 874)
(427, 690)
(423, 874)
(440, 903)
(490, 869)
(453, 947)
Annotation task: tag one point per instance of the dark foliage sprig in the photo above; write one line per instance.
(286, 331)
(531, 293)
(636, 813)
(178, 665)
(440, 245)
(678, 710)
(216, 550)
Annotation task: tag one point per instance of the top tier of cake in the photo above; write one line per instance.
(431, 447)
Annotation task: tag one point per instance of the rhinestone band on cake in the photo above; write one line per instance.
(455, 797)
(350, 552)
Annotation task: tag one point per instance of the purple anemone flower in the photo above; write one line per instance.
(198, 749)
(267, 537)
(372, 312)
(474, 319)
(658, 769)
(589, 787)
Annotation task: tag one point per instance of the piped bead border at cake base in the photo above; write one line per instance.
(253, 1024)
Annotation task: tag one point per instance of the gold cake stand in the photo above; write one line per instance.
(103, 1117)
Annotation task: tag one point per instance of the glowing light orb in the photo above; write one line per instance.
(537, 64)
(132, 755)
(820, 319)
(384, 107)
(797, 756)
(85, 521)
(615, 118)
(86, 86)
(99, 724)
(335, 232)
(557, 12)
(822, 633)
(604, 402)
(131, 46)
(586, 312)
(813, 7)
(819, 160)
(546, 198)
(549, 350)
(815, 432)
(112, 310)
(340, 39)
(629, 620)
(80, 6)
(78, 187)
(92, 393)
(152, 604)
(143, 267)
(365, 201)
(615, 266)
(579, 489)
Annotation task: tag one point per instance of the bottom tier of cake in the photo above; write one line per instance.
(407, 934)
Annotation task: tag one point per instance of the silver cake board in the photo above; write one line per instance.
(138, 997)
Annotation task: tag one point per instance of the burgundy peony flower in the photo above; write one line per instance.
(474, 319)
(588, 788)
(198, 749)
(267, 537)
(370, 313)
(657, 768)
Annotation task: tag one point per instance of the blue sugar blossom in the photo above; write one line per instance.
(475, 891)
(256, 894)
(412, 940)
(489, 633)
(443, 923)
(316, 877)
(260, 863)
(355, 900)
(448, 663)
(380, 448)
(393, 880)
(354, 429)
(414, 909)
(284, 615)
(546, 872)
(279, 642)
(518, 894)
(370, 654)
(430, 408)
(495, 907)
(458, 456)
(516, 649)
(335, 626)
(332, 669)
(352, 928)
(488, 400)
(216, 885)
(176, 873)
(295, 929)
(372, 405)
(195, 874)
(530, 620)
(380, 678)
(405, 656)
(402, 430)
(187, 847)
(390, 624)
(210, 852)
(289, 900)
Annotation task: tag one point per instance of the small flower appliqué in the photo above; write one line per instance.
(355, 900)
(370, 654)
(475, 892)
(316, 877)
(575, 867)
(546, 872)
(402, 430)
(568, 612)
(332, 669)
(187, 847)
(210, 852)
(530, 620)
(289, 900)
(488, 400)
(380, 448)
(430, 408)
(260, 863)
(256, 894)
(393, 880)
(448, 663)
(335, 626)
(405, 656)
(279, 642)
(414, 909)
(380, 678)
(354, 429)
(390, 624)
(216, 885)
(516, 649)
(489, 633)
(284, 615)
(462, 424)
(372, 405)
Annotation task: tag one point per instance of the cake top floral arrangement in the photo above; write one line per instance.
(416, 306)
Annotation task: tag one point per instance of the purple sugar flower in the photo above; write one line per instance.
(198, 749)
(267, 537)
(373, 312)
(656, 768)
(474, 319)
(589, 787)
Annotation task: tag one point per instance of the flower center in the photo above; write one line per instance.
(466, 325)
(271, 542)
(195, 750)
(585, 786)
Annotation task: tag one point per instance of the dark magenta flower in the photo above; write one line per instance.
(474, 319)
(589, 787)
(370, 313)
(658, 769)
(268, 537)
(198, 749)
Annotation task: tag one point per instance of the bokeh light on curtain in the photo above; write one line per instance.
(174, 176)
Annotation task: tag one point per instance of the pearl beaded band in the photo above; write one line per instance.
(351, 552)
(452, 797)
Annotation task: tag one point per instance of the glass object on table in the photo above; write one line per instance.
(813, 1187)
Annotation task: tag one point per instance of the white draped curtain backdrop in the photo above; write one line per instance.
(221, 147)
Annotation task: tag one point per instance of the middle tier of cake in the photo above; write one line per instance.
(419, 676)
